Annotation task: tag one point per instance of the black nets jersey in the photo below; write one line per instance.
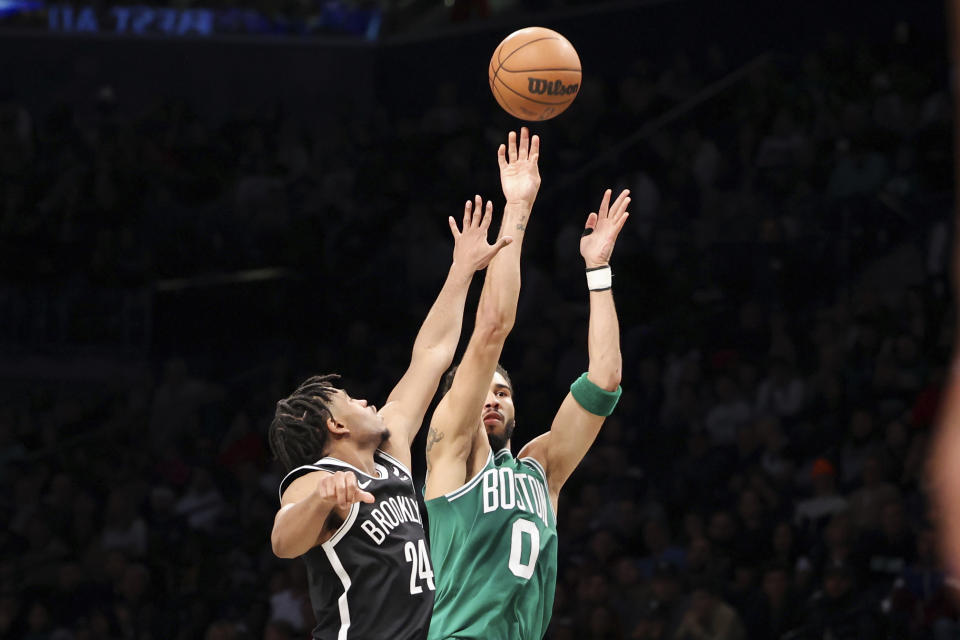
(373, 578)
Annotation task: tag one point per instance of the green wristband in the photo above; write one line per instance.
(597, 401)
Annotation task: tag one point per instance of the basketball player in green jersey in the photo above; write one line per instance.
(493, 527)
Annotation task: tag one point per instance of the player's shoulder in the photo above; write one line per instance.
(530, 463)
(300, 480)
(535, 453)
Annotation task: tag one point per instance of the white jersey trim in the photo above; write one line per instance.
(340, 463)
(328, 547)
(456, 493)
(301, 468)
(402, 466)
(345, 527)
(537, 465)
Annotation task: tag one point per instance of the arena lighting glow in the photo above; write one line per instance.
(13, 7)
(327, 16)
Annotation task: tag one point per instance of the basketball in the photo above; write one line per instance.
(534, 74)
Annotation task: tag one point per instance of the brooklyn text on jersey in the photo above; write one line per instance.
(373, 578)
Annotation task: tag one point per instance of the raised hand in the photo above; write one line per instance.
(341, 490)
(602, 228)
(519, 173)
(470, 247)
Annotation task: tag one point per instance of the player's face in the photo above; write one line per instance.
(498, 412)
(358, 415)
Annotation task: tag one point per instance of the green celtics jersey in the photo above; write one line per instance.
(493, 543)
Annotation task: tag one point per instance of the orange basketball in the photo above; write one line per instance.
(534, 74)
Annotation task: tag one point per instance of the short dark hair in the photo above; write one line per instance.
(298, 432)
(448, 379)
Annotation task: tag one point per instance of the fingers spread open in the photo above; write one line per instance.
(477, 211)
(619, 208)
(512, 146)
(502, 156)
(453, 227)
(467, 213)
(620, 205)
(605, 204)
(524, 151)
(487, 216)
(535, 149)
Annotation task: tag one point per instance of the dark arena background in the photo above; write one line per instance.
(200, 205)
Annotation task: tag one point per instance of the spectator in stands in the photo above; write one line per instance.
(866, 503)
(783, 392)
(889, 549)
(708, 617)
(837, 610)
(811, 513)
(774, 611)
(660, 548)
(730, 412)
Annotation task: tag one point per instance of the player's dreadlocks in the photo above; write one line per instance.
(298, 433)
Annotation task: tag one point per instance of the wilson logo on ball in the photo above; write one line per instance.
(534, 74)
(541, 87)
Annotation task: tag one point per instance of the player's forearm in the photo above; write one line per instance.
(440, 331)
(298, 526)
(497, 308)
(603, 341)
(516, 214)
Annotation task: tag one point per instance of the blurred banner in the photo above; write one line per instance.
(323, 19)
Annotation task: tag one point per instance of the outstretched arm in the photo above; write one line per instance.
(457, 417)
(575, 426)
(305, 508)
(437, 339)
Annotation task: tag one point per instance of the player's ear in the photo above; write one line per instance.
(336, 428)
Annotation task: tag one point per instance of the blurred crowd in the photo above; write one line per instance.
(781, 289)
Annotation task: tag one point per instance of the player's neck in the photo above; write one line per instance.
(362, 459)
(506, 447)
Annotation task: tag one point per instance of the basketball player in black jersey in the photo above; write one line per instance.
(348, 504)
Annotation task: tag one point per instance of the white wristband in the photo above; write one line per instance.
(599, 278)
